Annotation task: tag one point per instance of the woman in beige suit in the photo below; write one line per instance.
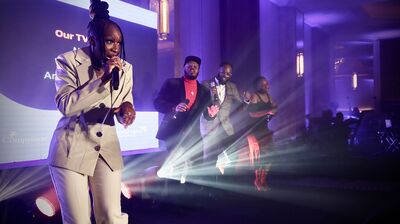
(85, 152)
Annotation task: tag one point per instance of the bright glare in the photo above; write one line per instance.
(45, 206)
(183, 179)
(126, 191)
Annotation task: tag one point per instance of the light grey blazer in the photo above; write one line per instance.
(223, 116)
(75, 145)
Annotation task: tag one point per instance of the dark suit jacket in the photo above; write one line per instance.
(187, 125)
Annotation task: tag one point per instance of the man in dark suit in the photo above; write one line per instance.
(219, 134)
(182, 101)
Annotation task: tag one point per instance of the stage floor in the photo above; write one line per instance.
(302, 189)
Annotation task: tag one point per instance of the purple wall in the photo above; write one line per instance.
(240, 39)
(320, 77)
(278, 26)
(197, 33)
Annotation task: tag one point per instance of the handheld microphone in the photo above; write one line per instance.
(215, 97)
(115, 78)
(176, 114)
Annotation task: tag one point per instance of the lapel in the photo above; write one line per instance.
(84, 69)
(228, 89)
(197, 101)
(182, 94)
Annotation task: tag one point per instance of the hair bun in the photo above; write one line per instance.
(98, 9)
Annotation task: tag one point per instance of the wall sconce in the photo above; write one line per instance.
(163, 19)
(299, 43)
(354, 81)
(300, 65)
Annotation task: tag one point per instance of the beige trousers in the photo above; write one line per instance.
(73, 194)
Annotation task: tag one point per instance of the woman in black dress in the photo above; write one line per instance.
(261, 109)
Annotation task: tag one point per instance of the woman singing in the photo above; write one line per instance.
(85, 152)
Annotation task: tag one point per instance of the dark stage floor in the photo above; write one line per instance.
(304, 188)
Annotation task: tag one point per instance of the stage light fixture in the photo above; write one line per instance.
(45, 206)
(48, 203)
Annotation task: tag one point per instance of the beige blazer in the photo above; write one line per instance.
(75, 145)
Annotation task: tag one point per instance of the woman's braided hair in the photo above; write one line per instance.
(98, 11)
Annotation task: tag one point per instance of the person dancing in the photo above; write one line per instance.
(261, 109)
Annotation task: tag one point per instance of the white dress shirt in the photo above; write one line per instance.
(220, 91)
